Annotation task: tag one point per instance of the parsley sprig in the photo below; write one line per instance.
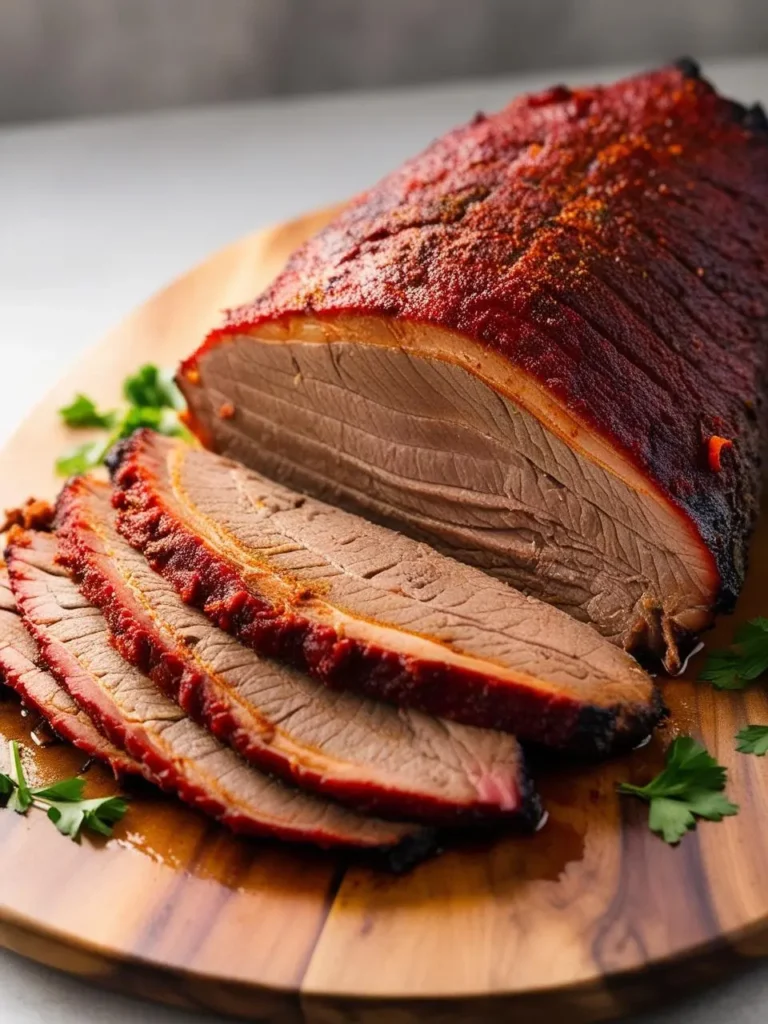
(753, 739)
(689, 787)
(82, 412)
(63, 801)
(740, 664)
(153, 401)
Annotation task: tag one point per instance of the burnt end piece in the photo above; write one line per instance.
(474, 690)
(688, 67)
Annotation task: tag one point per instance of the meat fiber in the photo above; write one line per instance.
(364, 608)
(19, 669)
(541, 345)
(362, 752)
(173, 751)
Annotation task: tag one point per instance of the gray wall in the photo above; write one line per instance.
(70, 57)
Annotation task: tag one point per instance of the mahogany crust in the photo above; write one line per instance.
(208, 581)
(609, 242)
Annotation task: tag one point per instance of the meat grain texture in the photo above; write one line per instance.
(361, 607)
(21, 670)
(362, 752)
(174, 752)
(542, 345)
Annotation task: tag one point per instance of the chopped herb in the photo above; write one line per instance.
(753, 740)
(82, 412)
(6, 788)
(20, 799)
(99, 815)
(67, 789)
(689, 787)
(152, 388)
(63, 801)
(154, 402)
(741, 663)
(164, 421)
(79, 460)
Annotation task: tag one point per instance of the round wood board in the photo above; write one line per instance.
(592, 917)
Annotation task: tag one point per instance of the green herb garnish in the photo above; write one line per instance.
(63, 801)
(20, 799)
(164, 421)
(154, 401)
(82, 412)
(689, 787)
(753, 740)
(738, 665)
(152, 388)
(79, 460)
(99, 815)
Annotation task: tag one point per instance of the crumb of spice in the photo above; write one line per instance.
(714, 451)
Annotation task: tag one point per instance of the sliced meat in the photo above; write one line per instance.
(364, 608)
(19, 657)
(368, 754)
(174, 752)
(540, 345)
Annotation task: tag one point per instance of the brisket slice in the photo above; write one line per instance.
(362, 752)
(541, 345)
(173, 751)
(19, 657)
(363, 608)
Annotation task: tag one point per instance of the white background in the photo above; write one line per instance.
(95, 216)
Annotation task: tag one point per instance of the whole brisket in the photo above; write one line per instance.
(542, 345)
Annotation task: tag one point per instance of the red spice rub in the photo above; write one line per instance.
(609, 242)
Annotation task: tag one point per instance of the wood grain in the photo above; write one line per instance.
(591, 917)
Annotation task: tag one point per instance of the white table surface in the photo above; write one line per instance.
(95, 216)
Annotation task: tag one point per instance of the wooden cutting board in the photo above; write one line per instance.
(592, 917)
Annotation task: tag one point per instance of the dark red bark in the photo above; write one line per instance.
(608, 241)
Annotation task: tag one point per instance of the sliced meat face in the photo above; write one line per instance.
(362, 752)
(541, 345)
(174, 752)
(19, 668)
(422, 443)
(364, 608)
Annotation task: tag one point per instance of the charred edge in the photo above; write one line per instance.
(755, 118)
(616, 729)
(409, 852)
(752, 118)
(596, 731)
(531, 808)
(688, 67)
(116, 454)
